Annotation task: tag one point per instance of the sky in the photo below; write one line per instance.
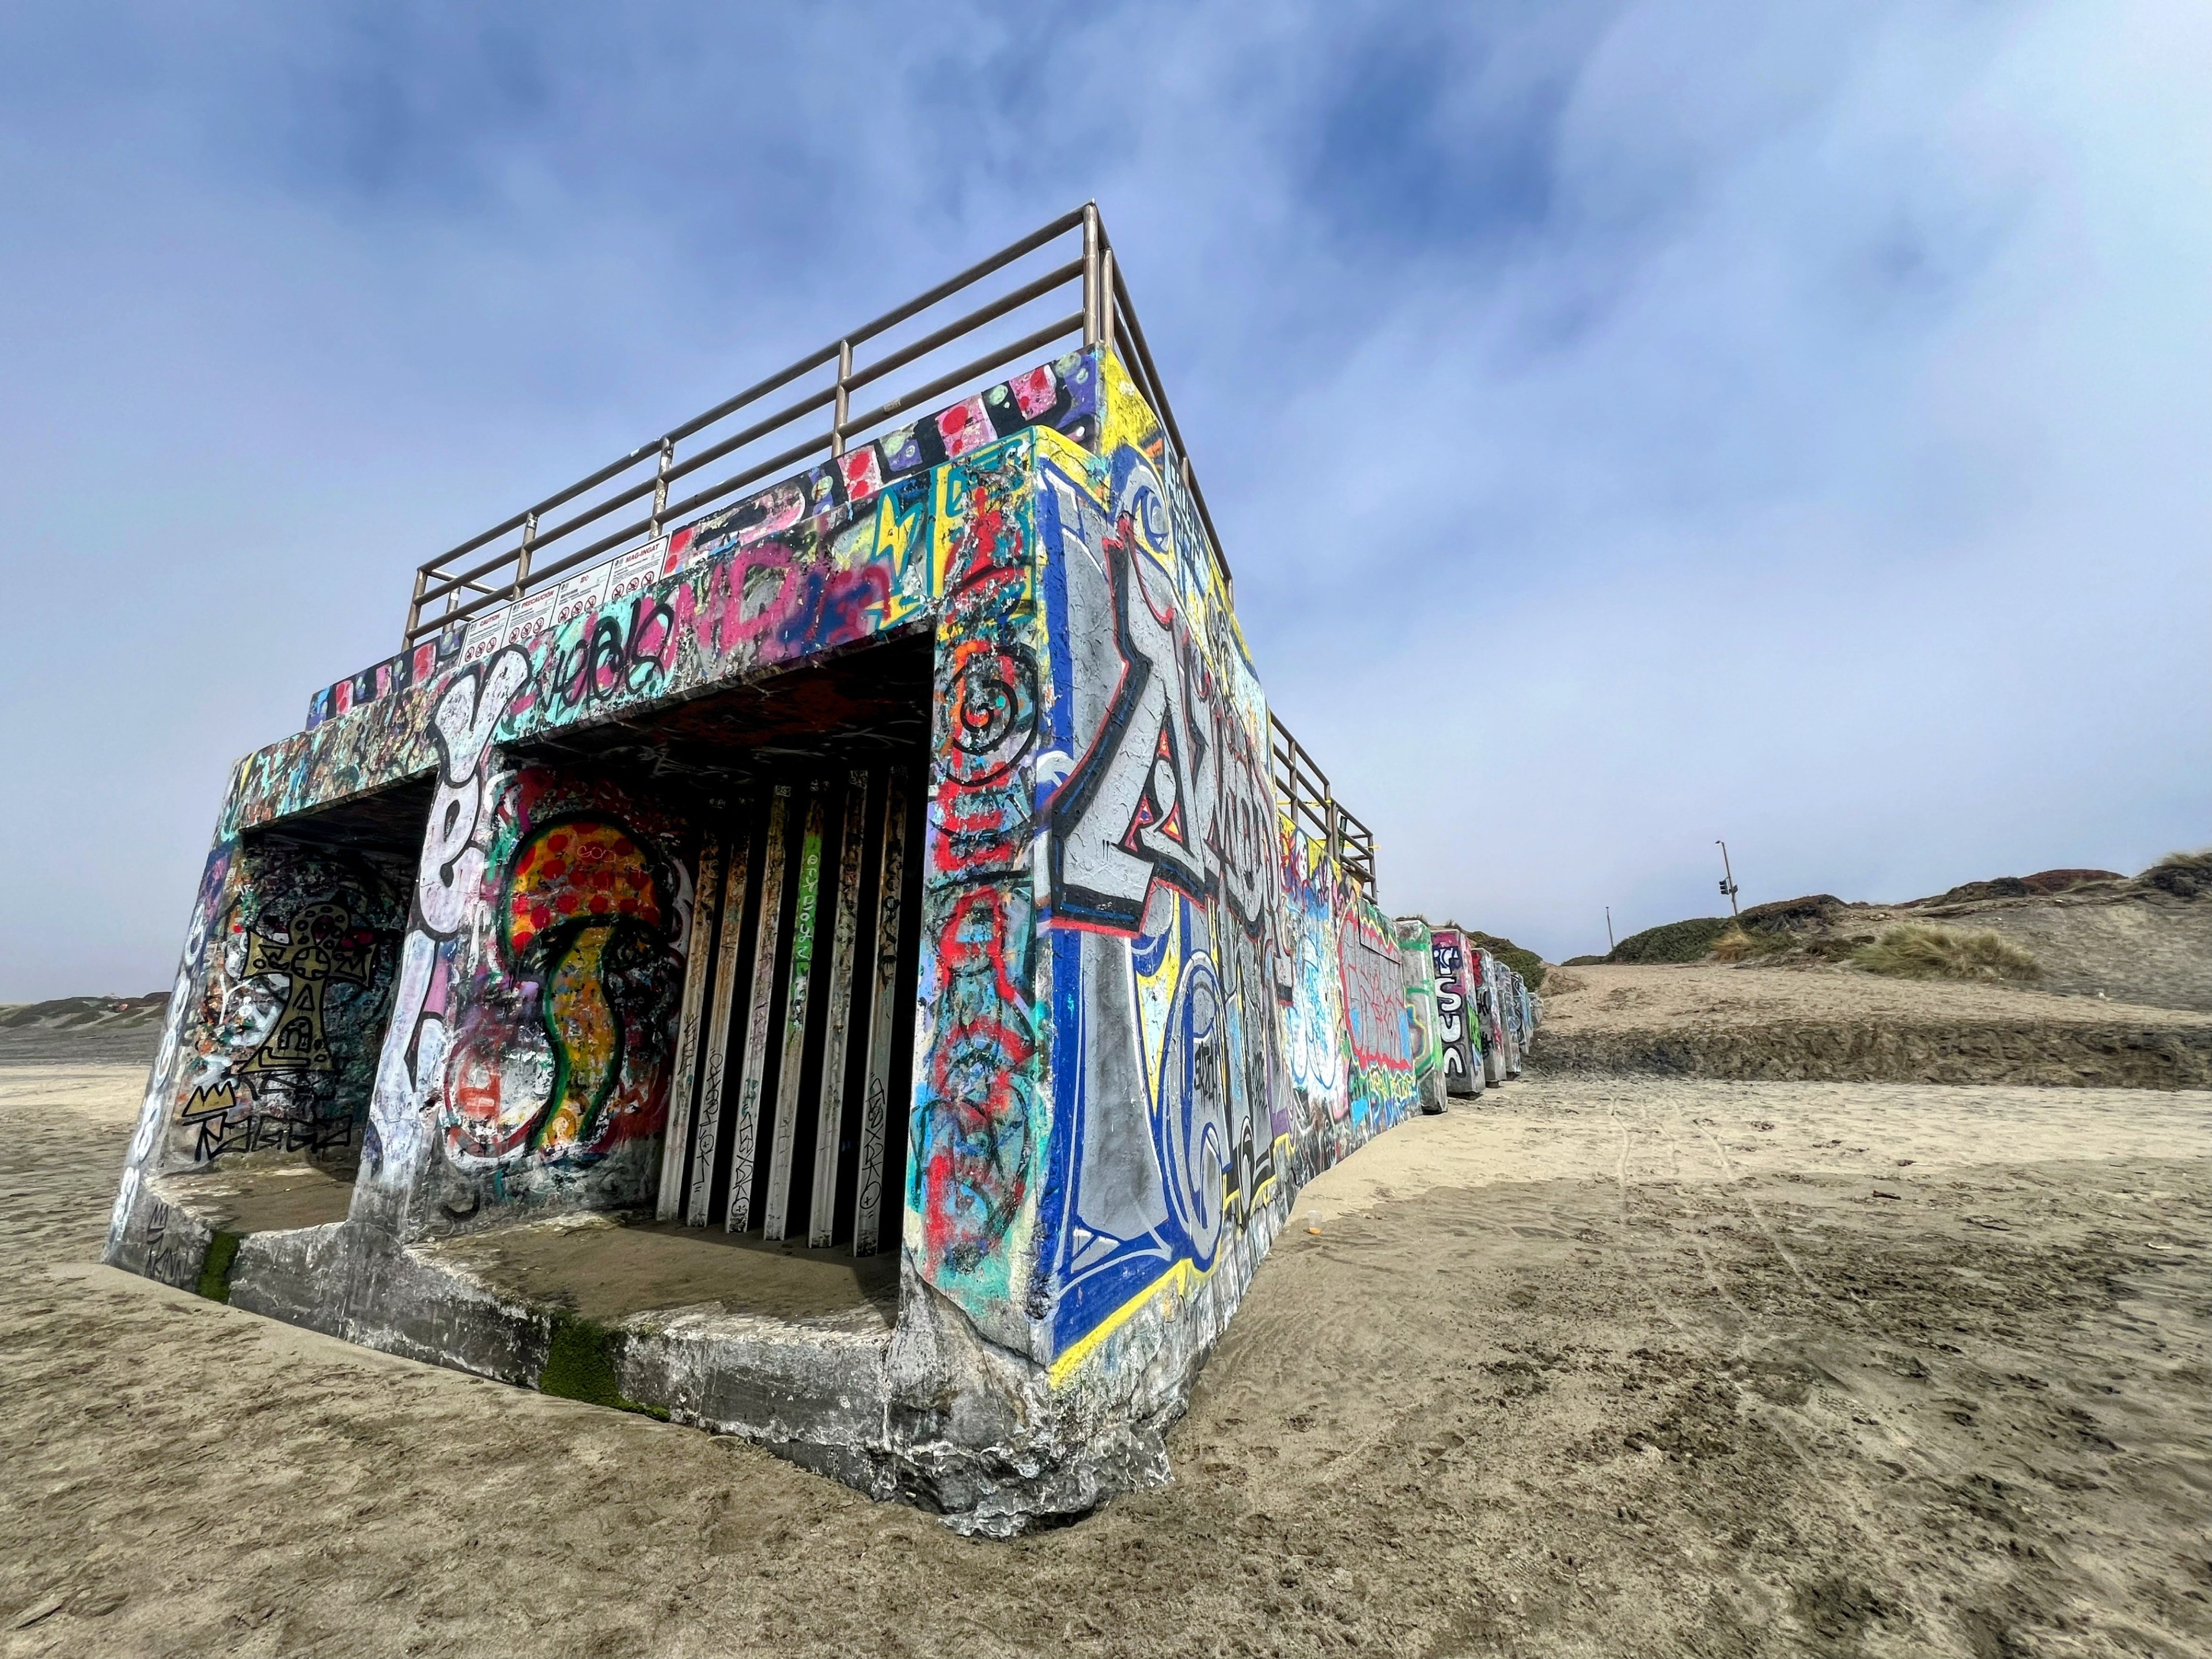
(1632, 425)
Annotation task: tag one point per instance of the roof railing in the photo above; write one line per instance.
(553, 537)
(1304, 790)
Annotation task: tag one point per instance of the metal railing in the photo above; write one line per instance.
(1303, 789)
(535, 548)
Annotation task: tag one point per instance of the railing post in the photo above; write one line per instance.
(415, 608)
(522, 559)
(1106, 301)
(660, 486)
(1090, 308)
(843, 406)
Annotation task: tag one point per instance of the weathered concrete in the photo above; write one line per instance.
(910, 848)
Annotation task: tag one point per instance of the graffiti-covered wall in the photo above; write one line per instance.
(1416, 945)
(278, 1028)
(1148, 1006)
(1459, 1030)
(561, 1002)
(1151, 1006)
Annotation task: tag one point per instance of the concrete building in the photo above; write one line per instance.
(843, 955)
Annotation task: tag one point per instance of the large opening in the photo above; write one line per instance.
(272, 1103)
(783, 1165)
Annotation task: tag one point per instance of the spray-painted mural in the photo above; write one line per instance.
(977, 1134)
(562, 1008)
(1148, 1004)
(1163, 897)
(1416, 947)
(1501, 1054)
(1458, 1023)
(291, 1004)
(1229, 1011)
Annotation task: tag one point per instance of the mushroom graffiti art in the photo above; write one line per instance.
(577, 891)
(559, 1056)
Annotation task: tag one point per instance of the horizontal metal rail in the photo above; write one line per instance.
(1302, 788)
(532, 549)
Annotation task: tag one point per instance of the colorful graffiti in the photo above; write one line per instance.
(976, 1122)
(1230, 1010)
(1148, 1006)
(1458, 1027)
(291, 1002)
(578, 892)
(1417, 957)
(785, 590)
(411, 1068)
(563, 1011)
(1501, 1057)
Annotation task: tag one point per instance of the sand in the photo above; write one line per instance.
(1812, 1021)
(1602, 1366)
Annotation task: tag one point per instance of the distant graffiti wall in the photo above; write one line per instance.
(1416, 946)
(1459, 1029)
(1490, 978)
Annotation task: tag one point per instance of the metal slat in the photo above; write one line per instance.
(883, 1011)
(829, 1114)
(708, 1130)
(745, 1131)
(776, 1219)
(675, 1136)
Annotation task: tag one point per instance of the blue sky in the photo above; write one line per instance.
(1631, 424)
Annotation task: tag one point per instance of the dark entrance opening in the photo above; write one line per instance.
(269, 1114)
(792, 1050)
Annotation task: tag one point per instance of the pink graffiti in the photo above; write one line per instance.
(770, 605)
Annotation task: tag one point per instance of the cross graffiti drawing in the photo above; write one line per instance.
(324, 947)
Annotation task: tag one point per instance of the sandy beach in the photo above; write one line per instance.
(1600, 1365)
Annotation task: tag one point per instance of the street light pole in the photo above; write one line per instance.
(1728, 878)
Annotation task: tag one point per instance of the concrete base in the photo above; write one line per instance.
(805, 1353)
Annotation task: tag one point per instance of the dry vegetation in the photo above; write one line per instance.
(2142, 940)
(1914, 950)
(1737, 944)
(2185, 875)
(1795, 1018)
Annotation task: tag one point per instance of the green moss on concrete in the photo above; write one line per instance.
(579, 1364)
(214, 1272)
